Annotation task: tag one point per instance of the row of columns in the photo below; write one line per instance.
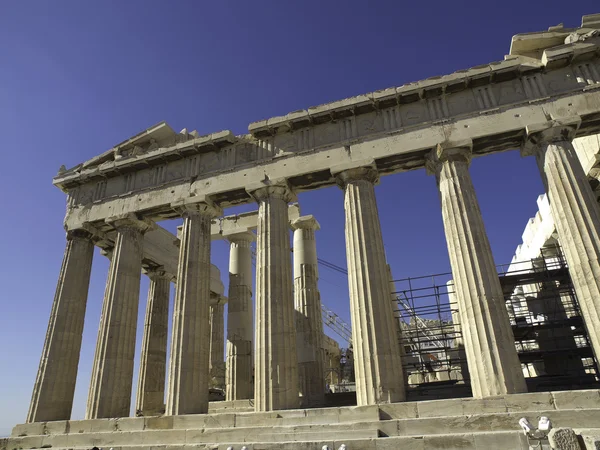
(492, 359)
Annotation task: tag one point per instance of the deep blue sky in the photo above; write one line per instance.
(78, 77)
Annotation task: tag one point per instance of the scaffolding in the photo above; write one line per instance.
(550, 336)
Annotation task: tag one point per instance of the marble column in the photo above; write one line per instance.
(377, 361)
(238, 375)
(112, 372)
(190, 341)
(54, 387)
(492, 359)
(150, 398)
(576, 214)
(307, 303)
(276, 360)
(217, 344)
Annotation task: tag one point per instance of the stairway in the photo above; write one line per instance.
(438, 424)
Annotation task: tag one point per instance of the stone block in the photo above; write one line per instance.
(450, 442)
(161, 437)
(130, 423)
(388, 428)
(57, 427)
(483, 406)
(158, 423)
(513, 440)
(365, 444)
(438, 408)
(576, 399)
(534, 401)
(406, 410)
(563, 439)
(404, 443)
(359, 413)
(28, 429)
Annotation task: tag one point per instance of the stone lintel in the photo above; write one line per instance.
(556, 130)
(305, 222)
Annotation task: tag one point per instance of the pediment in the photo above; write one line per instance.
(156, 137)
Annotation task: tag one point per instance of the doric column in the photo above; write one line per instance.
(217, 344)
(307, 303)
(276, 360)
(190, 342)
(153, 360)
(112, 372)
(492, 358)
(54, 387)
(576, 214)
(377, 361)
(238, 376)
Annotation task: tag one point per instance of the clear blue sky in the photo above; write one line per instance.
(78, 77)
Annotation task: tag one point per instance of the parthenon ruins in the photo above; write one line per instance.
(543, 99)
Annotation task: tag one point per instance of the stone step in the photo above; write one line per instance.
(414, 427)
(511, 440)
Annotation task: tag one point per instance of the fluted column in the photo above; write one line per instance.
(307, 303)
(112, 372)
(276, 361)
(190, 341)
(217, 344)
(576, 214)
(54, 387)
(492, 358)
(377, 361)
(150, 398)
(238, 376)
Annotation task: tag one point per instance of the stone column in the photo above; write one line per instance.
(492, 359)
(576, 214)
(112, 372)
(217, 344)
(377, 361)
(238, 376)
(309, 323)
(189, 362)
(153, 360)
(276, 360)
(54, 387)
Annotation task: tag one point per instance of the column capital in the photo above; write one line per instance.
(548, 132)
(130, 221)
(306, 223)
(446, 152)
(240, 236)
(366, 173)
(200, 205)
(280, 191)
(157, 273)
(79, 234)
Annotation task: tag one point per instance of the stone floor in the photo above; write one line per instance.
(439, 424)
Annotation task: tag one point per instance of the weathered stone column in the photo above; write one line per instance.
(492, 358)
(189, 362)
(238, 376)
(307, 302)
(112, 372)
(377, 361)
(576, 214)
(217, 344)
(276, 360)
(54, 387)
(150, 398)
